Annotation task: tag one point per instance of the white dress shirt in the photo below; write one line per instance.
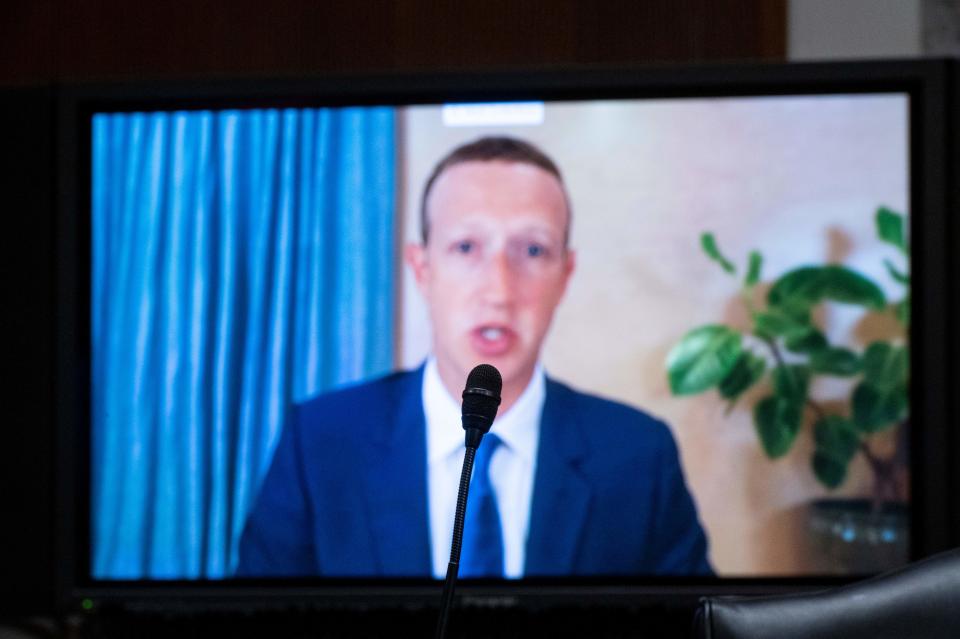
(511, 468)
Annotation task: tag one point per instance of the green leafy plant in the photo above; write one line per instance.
(786, 350)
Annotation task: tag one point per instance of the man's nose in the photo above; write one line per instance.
(499, 279)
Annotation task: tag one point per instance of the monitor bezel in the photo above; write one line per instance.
(930, 85)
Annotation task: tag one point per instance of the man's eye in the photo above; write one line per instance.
(536, 250)
(464, 247)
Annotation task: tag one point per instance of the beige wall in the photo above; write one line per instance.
(796, 178)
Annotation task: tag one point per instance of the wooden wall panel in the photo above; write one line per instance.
(47, 40)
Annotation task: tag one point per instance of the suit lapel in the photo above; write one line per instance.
(561, 495)
(397, 483)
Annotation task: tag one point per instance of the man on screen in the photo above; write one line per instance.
(364, 480)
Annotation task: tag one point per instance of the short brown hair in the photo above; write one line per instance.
(489, 149)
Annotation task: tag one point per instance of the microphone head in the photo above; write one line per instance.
(481, 397)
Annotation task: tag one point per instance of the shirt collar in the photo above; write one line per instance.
(518, 428)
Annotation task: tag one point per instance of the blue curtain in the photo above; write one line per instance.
(241, 261)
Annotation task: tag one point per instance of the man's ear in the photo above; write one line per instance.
(569, 266)
(415, 255)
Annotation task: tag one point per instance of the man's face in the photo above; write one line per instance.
(494, 268)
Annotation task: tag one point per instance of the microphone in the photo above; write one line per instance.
(481, 398)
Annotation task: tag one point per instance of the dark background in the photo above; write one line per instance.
(44, 41)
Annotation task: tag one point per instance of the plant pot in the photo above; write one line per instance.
(849, 538)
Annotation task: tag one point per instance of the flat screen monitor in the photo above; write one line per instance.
(711, 296)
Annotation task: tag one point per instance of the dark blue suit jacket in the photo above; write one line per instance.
(346, 494)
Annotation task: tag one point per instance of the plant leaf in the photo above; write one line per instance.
(810, 341)
(745, 373)
(835, 361)
(885, 366)
(807, 286)
(709, 244)
(836, 442)
(769, 324)
(828, 470)
(902, 309)
(896, 274)
(875, 410)
(800, 287)
(753, 268)
(837, 437)
(791, 382)
(702, 359)
(890, 228)
(777, 421)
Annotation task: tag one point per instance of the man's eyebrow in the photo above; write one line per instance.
(547, 229)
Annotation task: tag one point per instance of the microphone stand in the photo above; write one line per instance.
(473, 438)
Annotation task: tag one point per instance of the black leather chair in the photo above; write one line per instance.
(918, 600)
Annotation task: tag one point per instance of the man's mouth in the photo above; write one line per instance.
(491, 334)
(491, 341)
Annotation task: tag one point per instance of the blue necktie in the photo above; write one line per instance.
(482, 552)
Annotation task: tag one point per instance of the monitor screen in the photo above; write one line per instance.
(699, 307)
